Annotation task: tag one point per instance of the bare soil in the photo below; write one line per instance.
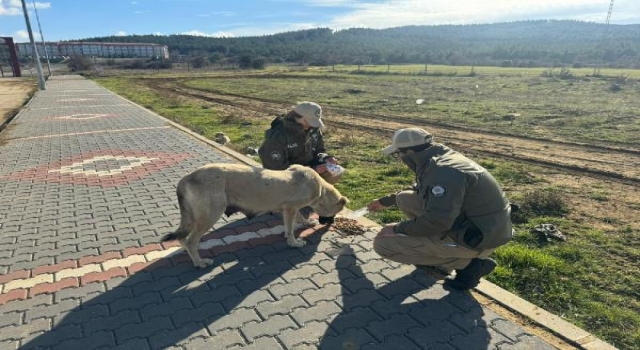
(14, 92)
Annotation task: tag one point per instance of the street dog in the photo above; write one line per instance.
(210, 191)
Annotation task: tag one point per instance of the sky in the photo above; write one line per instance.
(76, 19)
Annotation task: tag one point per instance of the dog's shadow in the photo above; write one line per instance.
(162, 305)
(411, 312)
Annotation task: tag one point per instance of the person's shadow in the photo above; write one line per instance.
(164, 304)
(411, 312)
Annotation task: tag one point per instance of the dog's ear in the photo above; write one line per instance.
(343, 201)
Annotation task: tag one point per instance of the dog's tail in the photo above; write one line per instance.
(185, 219)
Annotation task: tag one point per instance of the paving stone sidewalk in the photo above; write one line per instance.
(87, 188)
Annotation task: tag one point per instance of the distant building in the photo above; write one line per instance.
(111, 50)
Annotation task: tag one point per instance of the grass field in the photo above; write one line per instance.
(592, 279)
(584, 109)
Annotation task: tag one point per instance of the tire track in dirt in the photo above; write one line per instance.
(604, 162)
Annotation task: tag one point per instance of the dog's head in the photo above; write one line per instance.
(330, 204)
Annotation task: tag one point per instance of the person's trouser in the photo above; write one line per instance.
(424, 250)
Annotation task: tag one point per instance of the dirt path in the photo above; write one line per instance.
(604, 162)
(14, 92)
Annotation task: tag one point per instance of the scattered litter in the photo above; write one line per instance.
(334, 169)
(546, 232)
(250, 151)
(420, 101)
(222, 138)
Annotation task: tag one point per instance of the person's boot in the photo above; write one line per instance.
(437, 272)
(469, 277)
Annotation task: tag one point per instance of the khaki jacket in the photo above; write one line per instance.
(460, 197)
(287, 143)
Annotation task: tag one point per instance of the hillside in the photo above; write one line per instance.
(526, 43)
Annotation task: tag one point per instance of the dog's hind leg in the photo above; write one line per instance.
(289, 218)
(190, 245)
(206, 213)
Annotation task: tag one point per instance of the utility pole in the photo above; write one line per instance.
(44, 45)
(41, 83)
(609, 13)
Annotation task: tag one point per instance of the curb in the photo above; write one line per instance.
(556, 325)
(564, 330)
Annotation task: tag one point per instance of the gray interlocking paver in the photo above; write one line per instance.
(221, 340)
(188, 332)
(237, 319)
(526, 342)
(394, 342)
(269, 327)
(144, 329)
(202, 312)
(267, 297)
(134, 344)
(283, 306)
(323, 310)
(84, 293)
(11, 319)
(309, 333)
(260, 344)
(88, 342)
(51, 310)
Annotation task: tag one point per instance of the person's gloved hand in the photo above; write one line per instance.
(326, 220)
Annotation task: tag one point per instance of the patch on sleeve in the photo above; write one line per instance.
(275, 155)
(438, 191)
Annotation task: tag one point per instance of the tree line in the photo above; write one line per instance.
(524, 43)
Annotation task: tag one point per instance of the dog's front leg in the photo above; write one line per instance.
(289, 217)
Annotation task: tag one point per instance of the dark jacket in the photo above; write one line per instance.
(287, 143)
(461, 200)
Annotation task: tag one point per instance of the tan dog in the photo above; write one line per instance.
(208, 192)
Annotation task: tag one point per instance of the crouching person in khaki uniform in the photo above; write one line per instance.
(457, 213)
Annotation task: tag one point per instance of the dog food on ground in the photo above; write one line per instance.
(348, 227)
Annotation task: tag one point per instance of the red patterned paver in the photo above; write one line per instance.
(102, 168)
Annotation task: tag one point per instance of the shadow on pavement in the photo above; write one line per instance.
(395, 320)
(164, 305)
(167, 304)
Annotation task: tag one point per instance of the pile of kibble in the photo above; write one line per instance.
(348, 227)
